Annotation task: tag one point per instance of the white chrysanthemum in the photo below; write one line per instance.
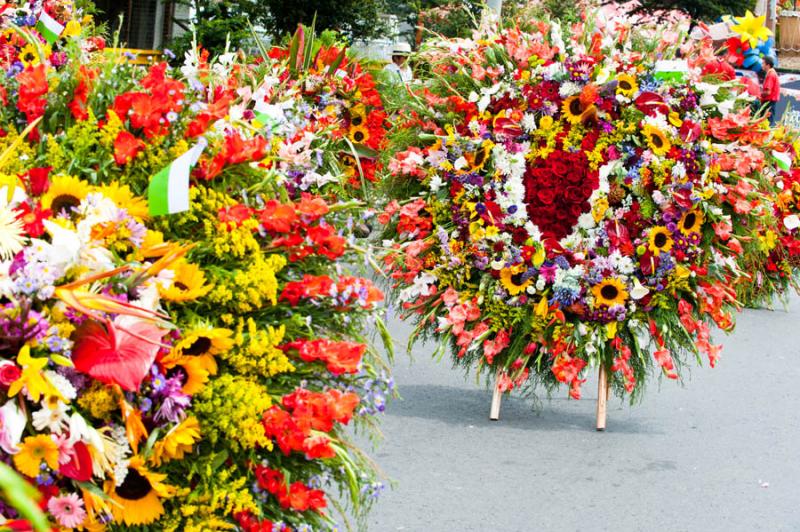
(586, 221)
(53, 418)
(528, 122)
(569, 88)
(12, 231)
(62, 384)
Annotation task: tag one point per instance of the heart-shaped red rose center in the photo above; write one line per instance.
(557, 191)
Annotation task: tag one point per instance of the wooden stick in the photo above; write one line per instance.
(497, 396)
(602, 398)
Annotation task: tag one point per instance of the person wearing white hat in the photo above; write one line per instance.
(399, 68)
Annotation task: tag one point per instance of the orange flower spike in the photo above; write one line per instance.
(134, 428)
(173, 253)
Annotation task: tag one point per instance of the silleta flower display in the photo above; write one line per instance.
(568, 202)
(196, 370)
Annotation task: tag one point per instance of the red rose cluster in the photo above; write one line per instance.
(557, 191)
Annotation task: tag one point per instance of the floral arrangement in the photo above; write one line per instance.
(566, 203)
(203, 369)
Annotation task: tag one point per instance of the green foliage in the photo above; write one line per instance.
(705, 10)
(217, 25)
(22, 496)
(356, 19)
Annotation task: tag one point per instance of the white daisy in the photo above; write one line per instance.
(52, 417)
(12, 237)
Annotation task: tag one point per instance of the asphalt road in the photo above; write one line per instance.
(718, 453)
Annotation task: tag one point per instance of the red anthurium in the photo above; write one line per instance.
(112, 354)
(80, 465)
(651, 104)
(126, 146)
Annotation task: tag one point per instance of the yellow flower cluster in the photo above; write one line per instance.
(257, 352)
(227, 496)
(22, 154)
(230, 409)
(250, 289)
(98, 400)
(237, 242)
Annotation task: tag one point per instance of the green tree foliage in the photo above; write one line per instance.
(705, 10)
(355, 19)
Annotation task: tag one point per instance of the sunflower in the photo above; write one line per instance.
(609, 292)
(205, 341)
(576, 112)
(511, 279)
(188, 284)
(659, 240)
(122, 196)
(656, 139)
(138, 498)
(12, 232)
(626, 85)
(29, 56)
(358, 134)
(477, 159)
(65, 193)
(691, 222)
(358, 115)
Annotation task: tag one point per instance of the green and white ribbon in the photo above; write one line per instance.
(168, 192)
(783, 159)
(673, 70)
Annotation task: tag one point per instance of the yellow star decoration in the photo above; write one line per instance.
(32, 377)
(751, 28)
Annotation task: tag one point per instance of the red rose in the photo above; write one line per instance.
(9, 373)
(546, 195)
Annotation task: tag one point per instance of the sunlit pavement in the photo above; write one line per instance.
(718, 453)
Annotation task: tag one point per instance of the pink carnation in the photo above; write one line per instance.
(67, 510)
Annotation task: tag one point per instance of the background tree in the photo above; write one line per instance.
(354, 19)
(705, 10)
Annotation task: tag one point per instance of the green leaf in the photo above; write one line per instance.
(23, 497)
(62, 360)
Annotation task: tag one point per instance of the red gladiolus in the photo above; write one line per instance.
(664, 359)
(115, 355)
(38, 180)
(126, 147)
(33, 90)
(339, 357)
(277, 217)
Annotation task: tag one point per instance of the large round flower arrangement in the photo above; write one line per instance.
(199, 370)
(567, 204)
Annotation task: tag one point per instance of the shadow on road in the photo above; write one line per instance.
(463, 408)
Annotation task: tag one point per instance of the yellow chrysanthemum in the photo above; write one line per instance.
(138, 498)
(659, 240)
(656, 139)
(358, 134)
(122, 196)
(188, 284)
(626, 85)
(511, 279)
(609, 292)
(65, 193)
(691, 222)
(35, 450)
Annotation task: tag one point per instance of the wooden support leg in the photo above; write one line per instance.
(602, 399)
(497, 396)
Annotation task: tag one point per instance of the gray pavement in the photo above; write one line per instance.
(719, 453)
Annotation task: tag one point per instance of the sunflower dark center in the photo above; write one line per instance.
(517, 279)
(179, 285)
(64, 202)
(660, 240)
(480, 156)
(690, 220)
(357, 120)
(198, 347)
(609, 292)
(625, 85)
(575, 106)
(135, 486)
(358, 136)
(656, 140)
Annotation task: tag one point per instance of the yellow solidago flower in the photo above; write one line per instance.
(98, 400)
(65, 193)
(609, 292)
(258, 352)
(188, 284)
(178, 441)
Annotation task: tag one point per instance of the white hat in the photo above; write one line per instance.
(401, 48)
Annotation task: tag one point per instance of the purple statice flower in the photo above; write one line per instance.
(169, 53)
(173, 400)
